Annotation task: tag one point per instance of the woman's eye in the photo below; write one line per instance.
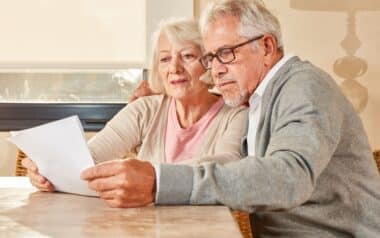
(164, 59)
(188, 56)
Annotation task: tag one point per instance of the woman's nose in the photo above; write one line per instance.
(175, 65)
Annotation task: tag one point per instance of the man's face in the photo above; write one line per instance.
(238, 79)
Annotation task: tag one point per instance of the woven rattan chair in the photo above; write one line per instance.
(20, 171)
(242, 218)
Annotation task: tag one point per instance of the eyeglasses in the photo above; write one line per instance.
(224, 55)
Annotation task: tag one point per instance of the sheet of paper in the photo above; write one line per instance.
(60, 152)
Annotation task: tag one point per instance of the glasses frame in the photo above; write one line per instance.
(232, 48)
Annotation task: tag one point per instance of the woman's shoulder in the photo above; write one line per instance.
(232, 120)
(229, 110)
(149, 102)
(232, 115)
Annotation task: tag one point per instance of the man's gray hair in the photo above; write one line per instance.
(255, 18)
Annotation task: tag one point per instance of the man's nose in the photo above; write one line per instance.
(218, 69)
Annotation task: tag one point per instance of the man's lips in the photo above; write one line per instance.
(225, 83)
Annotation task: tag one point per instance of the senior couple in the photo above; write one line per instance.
(299, 162)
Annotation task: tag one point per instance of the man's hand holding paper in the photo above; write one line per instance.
(123, 183)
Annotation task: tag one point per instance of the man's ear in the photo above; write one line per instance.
(270, 45)
(270, 49)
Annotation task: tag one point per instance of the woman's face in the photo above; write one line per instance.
(180, 69)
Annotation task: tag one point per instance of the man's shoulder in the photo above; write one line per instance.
(307, 71)
(305, 86)
(300, 76)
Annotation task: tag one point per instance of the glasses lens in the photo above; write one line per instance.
(226, 55)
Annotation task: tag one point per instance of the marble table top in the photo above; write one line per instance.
(26, 212)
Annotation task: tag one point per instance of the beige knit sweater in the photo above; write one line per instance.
(142, 125)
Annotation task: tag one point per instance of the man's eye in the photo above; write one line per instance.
(224, 53)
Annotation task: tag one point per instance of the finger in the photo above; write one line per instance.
(144, 91)
(49, 186)
(121, 198)
(132, 98)
(43, 186)
(103, 170)
(120, 194)
(135, 93)
(143, 84)
(116, 203)
(105, 184)
(46, 187)
(29, 164)
(36, 177)
(40, 181)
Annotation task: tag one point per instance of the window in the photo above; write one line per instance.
(69, 87)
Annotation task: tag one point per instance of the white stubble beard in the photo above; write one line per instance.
(239, 99)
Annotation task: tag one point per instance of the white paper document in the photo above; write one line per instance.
(60, 152)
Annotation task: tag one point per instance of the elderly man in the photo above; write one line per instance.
(309, 171)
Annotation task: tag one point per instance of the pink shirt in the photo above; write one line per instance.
(182, 144)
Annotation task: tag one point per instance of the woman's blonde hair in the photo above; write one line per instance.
(176, 30)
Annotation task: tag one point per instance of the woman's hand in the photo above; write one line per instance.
(36, 178)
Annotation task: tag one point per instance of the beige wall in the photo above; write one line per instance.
(314, 30)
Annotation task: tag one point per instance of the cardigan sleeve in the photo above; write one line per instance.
(123, 132)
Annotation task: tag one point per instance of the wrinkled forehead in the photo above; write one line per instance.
(222, 32)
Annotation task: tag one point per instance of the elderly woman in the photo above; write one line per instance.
(184, 124)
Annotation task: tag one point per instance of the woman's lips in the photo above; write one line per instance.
(179, 81)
